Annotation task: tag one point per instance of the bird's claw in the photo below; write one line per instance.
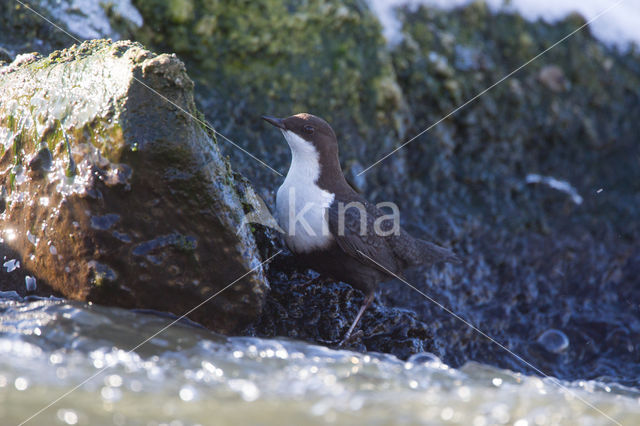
(358, 334)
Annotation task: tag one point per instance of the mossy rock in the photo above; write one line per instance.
(115, 195)
(251, 58)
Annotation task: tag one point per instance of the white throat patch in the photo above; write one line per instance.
(301, 205)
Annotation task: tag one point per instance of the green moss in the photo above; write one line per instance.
(479, 157)
(17, 149)
(251, 58)
(202, 122)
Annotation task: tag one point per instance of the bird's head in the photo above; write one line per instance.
(308, 135)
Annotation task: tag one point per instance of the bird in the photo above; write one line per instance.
(331, 228)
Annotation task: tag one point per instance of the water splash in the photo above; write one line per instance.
(188, 373)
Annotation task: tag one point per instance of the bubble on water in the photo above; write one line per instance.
(61, 372)
(500, 413)
(135, 385)
(113, 380)
(110, 394)
(246, 388)
(67, 416)
(464, 393)
(427, 359)
(21, 383)
(187, 393)
(479, 421)
(56, 358)
(554, 340)
(447, 414)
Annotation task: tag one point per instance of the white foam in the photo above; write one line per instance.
(618, 27)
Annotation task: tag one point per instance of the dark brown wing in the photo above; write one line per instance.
(355, 235)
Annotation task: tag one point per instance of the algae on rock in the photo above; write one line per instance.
(280, 58)
(115, 195)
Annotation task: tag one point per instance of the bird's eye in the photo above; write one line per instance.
(308, 129)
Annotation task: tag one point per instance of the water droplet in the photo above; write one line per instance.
(247, 389)
(11, 265)
(110, 394)
(187, 393)
(21, 383)
(447, 413)
(30, 283)
(10, 234)
(68, 416)
(113, 380)
(105, 222)
(32, 238)
(554, 340)
(135, 385)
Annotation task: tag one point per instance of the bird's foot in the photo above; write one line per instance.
(351, 337)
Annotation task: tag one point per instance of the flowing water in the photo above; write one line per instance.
(185, 375)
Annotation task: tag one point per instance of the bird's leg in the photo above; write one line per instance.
(365, 305)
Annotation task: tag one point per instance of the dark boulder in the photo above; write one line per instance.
(114, 195)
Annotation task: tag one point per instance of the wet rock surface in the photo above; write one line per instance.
(535, 185)
(273, 57)
(539, 254)
(113, 195)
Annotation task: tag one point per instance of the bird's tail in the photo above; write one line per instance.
(431, 253)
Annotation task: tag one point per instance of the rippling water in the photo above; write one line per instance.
(187, 375)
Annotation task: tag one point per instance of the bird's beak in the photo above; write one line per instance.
(275, 121)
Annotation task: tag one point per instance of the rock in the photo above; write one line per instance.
(537, 256)
(534, 258)
(115, 196)
(277, 58)
(5, 56)
(24, 31)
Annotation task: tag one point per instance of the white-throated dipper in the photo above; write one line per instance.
(333, 229)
